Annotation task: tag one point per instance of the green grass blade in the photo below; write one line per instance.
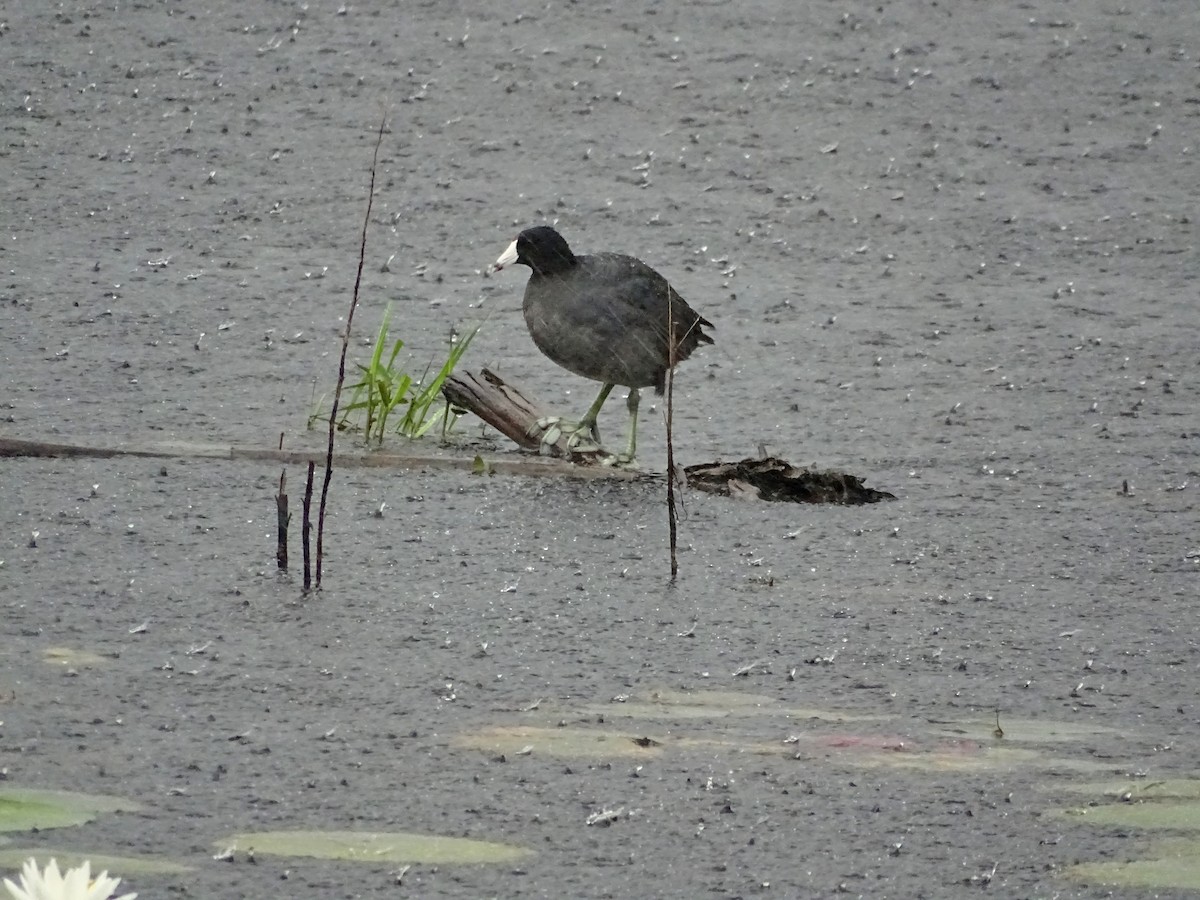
(383, 387)
(418, 421)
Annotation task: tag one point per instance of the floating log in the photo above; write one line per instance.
(516, 416)
(762, 479)
(534, 466)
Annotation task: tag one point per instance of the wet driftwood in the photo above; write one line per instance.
(514, 415)
(442, 460)
(517, 416)
(511, 412)
(777, 479)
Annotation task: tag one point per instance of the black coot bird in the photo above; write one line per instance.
(603, 317)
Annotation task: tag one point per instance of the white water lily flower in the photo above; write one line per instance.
(76, 884)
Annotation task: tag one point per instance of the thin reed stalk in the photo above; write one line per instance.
(341, 379)
(672, 513)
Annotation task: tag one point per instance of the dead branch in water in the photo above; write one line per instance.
(341, 378)
(306, 527)
(512, 413)
(672, 512)
(282, 518)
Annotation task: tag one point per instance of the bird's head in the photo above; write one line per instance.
(541, 248)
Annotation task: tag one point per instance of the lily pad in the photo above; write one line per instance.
(1143, 789)
(116, 866)
(1183, 816)
(668, 703)
(373, 847)
(634, 709)
(1172, 872)
(721, 700)
(949, 758)
(1025, 731)
(72, 657)
(518, 740)
(26, 809)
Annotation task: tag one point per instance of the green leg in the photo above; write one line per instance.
(631, 403)
(589, 417)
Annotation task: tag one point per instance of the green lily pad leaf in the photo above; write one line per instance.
(634, 709)
(1173, 872)
(666, 703)
(1153, 814)
(519, 740)
(116, 866)
(1143, 789)
(373, 847)
(950, 758)
(25, 809)
(719, 700)
(72, 657)
(1025, 731)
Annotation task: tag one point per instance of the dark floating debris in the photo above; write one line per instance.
(512, 412)
(777, 479)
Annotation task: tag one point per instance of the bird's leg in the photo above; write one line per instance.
(631, 403)
(589, 417)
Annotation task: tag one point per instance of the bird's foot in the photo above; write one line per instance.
(620, 460)
(582, 437)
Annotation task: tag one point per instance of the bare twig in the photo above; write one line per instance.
(341, 379)
(282, 518)
(306, 526)
(672, 514)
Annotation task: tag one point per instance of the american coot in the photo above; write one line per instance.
(603, 317)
